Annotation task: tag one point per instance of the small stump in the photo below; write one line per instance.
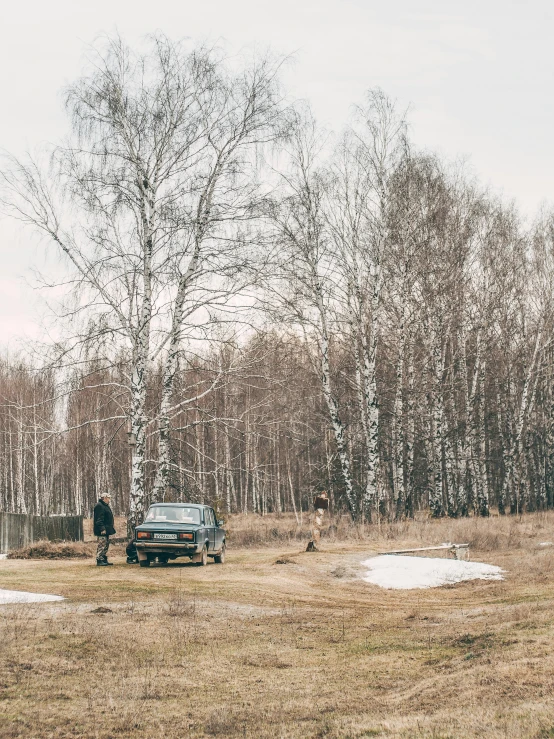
(461, 551)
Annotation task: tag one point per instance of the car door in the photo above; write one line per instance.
(209, 519)
(219, 534)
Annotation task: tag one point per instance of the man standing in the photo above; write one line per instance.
(103, 529)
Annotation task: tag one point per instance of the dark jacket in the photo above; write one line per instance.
(103, 519)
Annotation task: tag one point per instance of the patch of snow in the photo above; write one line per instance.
(407, 573)
(18, 596)
(3, 556)
(546, 544)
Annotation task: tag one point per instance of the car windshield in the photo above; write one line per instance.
(173, 514)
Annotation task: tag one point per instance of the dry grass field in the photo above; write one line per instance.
(281, 643)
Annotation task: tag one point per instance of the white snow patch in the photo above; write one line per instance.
(19, 596)
(546, 544)
(407, 573)
(3, 556)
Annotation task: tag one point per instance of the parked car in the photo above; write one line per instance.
(172, 530)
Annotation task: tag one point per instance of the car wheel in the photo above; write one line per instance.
(220, 558)
(144, 563)
(203, 561)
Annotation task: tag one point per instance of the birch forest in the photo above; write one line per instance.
(250, 309)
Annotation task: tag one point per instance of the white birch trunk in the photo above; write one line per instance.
(451, 437)
(519, 442)
(436, 503)
(138, 407)
(336, 422)
(21, 505)
(504, 494)
(437, 414)
(161, 483)
(277, 462)
(483, 489)
(549, 472)
(410, 429)
(472, 471)
(398, 430)
(369, 355)
(477, 488)
(367, 476)
(464, 496)
(139, 377)
(230, 486)
(291, 488)
(38, 497)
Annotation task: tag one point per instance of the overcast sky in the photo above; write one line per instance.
(477, 76)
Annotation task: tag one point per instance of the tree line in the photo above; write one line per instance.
(255, 309)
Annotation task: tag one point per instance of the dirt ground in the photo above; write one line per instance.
(282, 643)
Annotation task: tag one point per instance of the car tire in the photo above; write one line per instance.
(220, 558)
(203, 560)
(144, 563)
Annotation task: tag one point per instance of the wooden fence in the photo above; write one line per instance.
(19, 529)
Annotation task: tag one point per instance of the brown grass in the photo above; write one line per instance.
(293, 650)
(496, 533)
(54, 550)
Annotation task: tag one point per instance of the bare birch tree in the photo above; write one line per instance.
(148, 202)
(305, 269)
(363, 168)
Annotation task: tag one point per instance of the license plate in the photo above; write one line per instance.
(165, 536)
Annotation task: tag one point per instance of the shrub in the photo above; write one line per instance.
(54, 550)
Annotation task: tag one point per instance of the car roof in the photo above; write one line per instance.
(181, 505)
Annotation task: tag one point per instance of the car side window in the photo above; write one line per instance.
(210, 520)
